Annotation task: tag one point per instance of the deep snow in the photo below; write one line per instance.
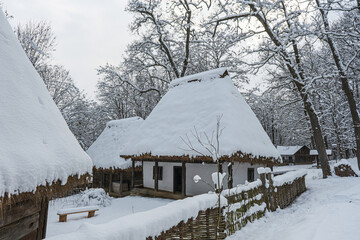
(105, 151)
(115, 208)
(36, 145)
(328, 210)
(194, 102)
(147, 223)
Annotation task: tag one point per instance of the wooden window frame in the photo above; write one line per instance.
(253, 175)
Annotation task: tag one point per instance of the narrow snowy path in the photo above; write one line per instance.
(328, 210)
(119, 207)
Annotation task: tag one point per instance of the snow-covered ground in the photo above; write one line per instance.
(328, 210)
(291, 168)
(115, 208)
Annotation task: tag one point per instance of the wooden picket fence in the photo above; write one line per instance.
(243, 207)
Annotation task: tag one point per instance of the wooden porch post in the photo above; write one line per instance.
(156, 177)
(230, 171)
(41, 232)
(183, 179)
(132, 174)
(121, 180)
(110, 181)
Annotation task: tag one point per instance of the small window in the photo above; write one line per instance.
(160, 173)
(290, 158)
(251, 175)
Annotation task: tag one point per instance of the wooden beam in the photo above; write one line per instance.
(230, 171)
(183, 179)
(156, 177)
(18, 211)
(121, 184)
(132, 174)
(110, 182)
(41, 232)
(20, 228)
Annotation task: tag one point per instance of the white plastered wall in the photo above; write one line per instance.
(192, 169)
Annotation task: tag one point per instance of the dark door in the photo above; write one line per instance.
(177, 179)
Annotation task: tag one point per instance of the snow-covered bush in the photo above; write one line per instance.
(94, 197)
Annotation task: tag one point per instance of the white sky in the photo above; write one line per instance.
(89, 33)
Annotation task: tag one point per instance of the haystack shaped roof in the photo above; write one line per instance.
(36, 145)
(105, 151)
(192, 105)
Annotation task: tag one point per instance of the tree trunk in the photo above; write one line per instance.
(344, 81)
(318, 138)
(294, 67)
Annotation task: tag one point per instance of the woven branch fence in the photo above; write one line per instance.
(243, 207)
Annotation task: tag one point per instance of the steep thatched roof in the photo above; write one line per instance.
(37, 149)
(190, 108)
(105, 151)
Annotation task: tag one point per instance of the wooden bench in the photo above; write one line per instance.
(64, 212)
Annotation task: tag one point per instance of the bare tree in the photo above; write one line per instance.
(282, 31)
(37, 40)
(324, 8)
(210, 147)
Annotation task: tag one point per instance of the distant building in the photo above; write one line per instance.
(315, 155)
(191, 106)
(295, 154)
(112, 172)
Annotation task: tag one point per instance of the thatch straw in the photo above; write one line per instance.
(236, 157)
(50, 190)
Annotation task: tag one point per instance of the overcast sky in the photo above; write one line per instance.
(89, 33)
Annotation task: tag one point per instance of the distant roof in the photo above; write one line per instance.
(194, 102)
(288, 150)
(314, 152)
(36, 145)
(105, 151)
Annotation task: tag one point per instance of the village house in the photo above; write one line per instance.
(112, 172)
(295, 154)
(315, 155)
(167, 143)
(39, 156)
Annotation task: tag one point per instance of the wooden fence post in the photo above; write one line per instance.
(264, 190)
(272, 192)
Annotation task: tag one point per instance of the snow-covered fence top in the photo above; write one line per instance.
(241, 188)
(144, 224)
(288, 177)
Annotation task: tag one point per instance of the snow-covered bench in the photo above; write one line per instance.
(64, 212)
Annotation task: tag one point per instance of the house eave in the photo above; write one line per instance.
(236, 157)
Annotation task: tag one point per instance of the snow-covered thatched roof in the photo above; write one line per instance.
(288, 150)
(314, 152)
(36, 145)
(105, 151)
(192, 105)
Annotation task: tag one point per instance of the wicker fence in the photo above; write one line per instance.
(245, 204)
(204, 226)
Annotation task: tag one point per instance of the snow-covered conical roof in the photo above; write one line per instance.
(191, 105)
(105, 151)
(36, 145)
